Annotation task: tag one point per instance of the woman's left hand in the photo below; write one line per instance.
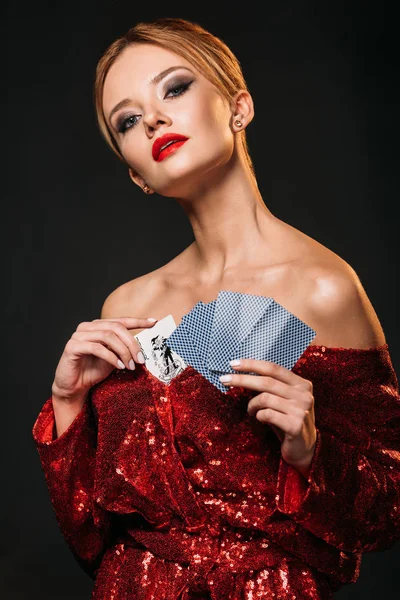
(286, 402)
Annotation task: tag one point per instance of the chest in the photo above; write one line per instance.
(179, 295)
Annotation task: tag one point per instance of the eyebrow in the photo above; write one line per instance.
(153, 81)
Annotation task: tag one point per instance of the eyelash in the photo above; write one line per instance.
(180, 86)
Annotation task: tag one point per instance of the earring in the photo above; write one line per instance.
(146, 188)
(238, 123)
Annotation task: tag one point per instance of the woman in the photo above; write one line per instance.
(182, 491)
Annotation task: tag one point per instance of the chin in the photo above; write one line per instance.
(176, 188)
(180, 179)
(185, 175)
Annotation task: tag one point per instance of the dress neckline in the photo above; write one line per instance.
(342, 349)
(189, 371)
(311, 347)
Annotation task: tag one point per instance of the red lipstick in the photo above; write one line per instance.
(159, 153)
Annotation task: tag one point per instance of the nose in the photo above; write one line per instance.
(152, 121)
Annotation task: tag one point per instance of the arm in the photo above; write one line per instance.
(351, 495)
(66, 439)
(68, 463)
(351, 498)
(65, 412)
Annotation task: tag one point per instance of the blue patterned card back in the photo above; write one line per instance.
(234, 317)
(191, 345)
(236, 325)
(199, 324)
(279, 337)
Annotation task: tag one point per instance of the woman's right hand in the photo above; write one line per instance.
(92, 352)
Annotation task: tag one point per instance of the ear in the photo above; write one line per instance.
(140, 182)
(136, 178)
(242, 109)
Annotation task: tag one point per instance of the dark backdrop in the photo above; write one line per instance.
(325, 82)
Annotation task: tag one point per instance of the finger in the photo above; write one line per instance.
(259, 383)
(265, 400)
(273, 417)
(291, 427)
(80, 348)
(131, 344)
(267, 368)
(110, 340)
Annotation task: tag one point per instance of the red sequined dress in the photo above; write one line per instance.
(168, 492)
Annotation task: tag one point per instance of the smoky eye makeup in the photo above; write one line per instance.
(176, 82)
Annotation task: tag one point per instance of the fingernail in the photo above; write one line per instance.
(152, 319)
(225, 378)
(140, 357)
(121, 364)
(234, 363)
(131, 364)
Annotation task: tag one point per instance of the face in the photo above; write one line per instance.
(182, 101)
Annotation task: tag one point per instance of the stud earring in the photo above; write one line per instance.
(238, 123)
(146, 188)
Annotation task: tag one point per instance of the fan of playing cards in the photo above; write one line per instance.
(235, 325)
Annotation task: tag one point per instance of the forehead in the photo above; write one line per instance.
(133, 70)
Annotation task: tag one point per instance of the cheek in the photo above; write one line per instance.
(219, 125)
(214, 133)
(136, 151)
(207, 116)
(217, 115)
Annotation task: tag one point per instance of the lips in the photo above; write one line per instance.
(163, 140)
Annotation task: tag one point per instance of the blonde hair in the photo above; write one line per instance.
(206, 52)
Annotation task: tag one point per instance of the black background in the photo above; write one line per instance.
(325, 82)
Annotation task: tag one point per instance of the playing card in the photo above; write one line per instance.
(278, 336)
(234, 325)
(234, 317)
(190, 345)
(181, 343)
(160, 360)
(198, 324)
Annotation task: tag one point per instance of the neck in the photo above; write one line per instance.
(230, 222)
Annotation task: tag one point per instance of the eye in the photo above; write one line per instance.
(123, 125)
(179, 89)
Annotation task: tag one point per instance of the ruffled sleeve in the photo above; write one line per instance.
(351, 498)
(68, 463)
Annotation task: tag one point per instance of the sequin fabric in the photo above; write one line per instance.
(175, 492)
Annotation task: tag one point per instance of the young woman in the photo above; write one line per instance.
(277, 487)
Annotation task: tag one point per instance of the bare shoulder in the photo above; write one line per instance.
(133, 297)
(140, 297)
(343, 315)
(330, 295)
